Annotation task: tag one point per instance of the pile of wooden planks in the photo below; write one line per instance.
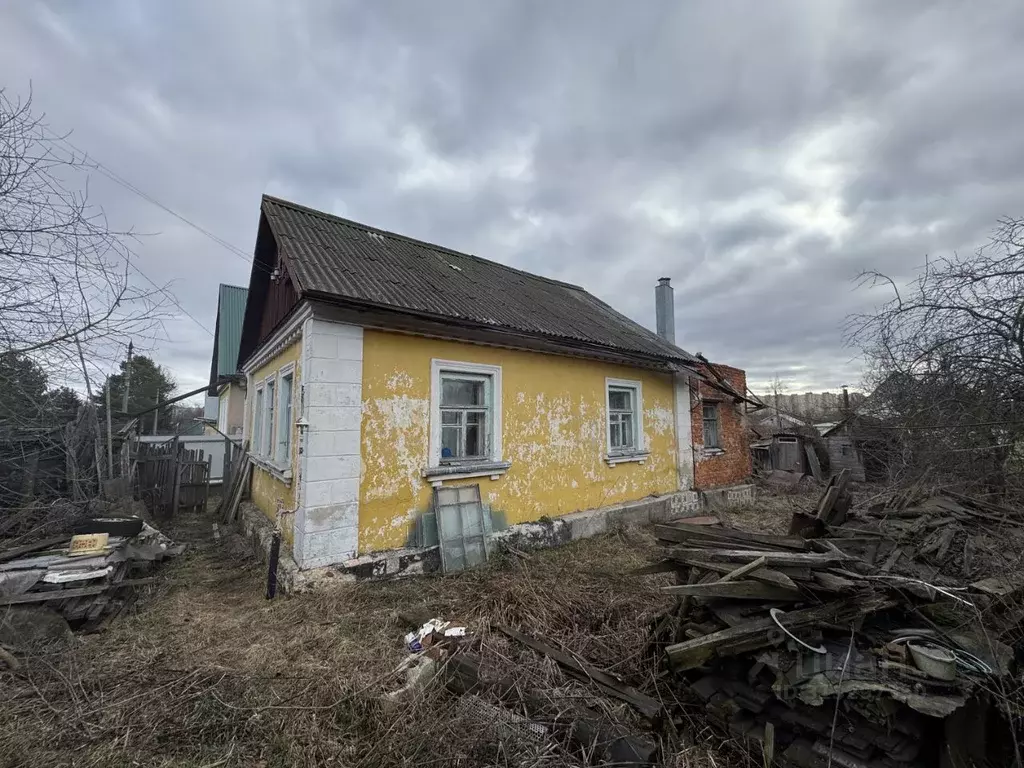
(769, 632)
(88, 590)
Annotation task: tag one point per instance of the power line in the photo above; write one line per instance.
(117, 179)
(120, 180)
(173, 300)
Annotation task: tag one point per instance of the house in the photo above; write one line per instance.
(782, 441)
(380, 369)
(226, 396)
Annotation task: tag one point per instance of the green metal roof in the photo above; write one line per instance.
(230, 313)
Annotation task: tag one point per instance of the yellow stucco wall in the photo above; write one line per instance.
(267, 489)
(553, 432)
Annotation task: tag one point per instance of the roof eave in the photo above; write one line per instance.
(408, 320)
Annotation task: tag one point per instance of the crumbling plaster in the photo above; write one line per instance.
(554, 434)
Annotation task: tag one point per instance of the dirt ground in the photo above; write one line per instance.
(204, 671)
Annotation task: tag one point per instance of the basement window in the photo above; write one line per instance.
(624, 400)
(465, 421)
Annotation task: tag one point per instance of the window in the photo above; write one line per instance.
(712, 433)
(844, 450)
(625, 424)
(465, 417)
(222, 412)
(257, 421)
(283, 453)
(267, 440)
(621, 419)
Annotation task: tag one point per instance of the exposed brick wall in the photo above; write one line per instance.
(733, 464)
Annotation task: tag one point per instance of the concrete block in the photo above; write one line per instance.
(323, 493)
(583, 525)
(320, 467)
(685, 503)
(321, 519)
(328, 547)
(630, 515)
(332, 442)
(350, 348)
(339, 330)
(660, 511)
(333, 394)
(334, 371)
(334, 418)
(322, 345)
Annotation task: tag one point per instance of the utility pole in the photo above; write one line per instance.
(156, 412)
(127, 379)
(110, 436)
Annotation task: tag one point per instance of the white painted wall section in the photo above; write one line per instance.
(684, 431)
(327, 518)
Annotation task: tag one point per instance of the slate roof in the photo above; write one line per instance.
(336, 257)
(230, 314)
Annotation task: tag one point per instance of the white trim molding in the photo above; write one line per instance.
(639, 452)
(684, 430)
(493, 372)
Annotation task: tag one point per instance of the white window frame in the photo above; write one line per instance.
(258, 398)
(266, 448)
(284, 372)
(222, 411)
(493, 464)
(639, 452)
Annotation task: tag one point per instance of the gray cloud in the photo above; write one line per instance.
(761, 154)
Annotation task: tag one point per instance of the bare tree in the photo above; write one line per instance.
(946, 359)
(66, 301)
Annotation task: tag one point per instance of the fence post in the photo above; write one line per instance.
(225, 478)
(176, 482)
(206, 494)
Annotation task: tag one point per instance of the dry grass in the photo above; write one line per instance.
(206, 672)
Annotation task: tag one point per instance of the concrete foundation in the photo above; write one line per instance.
(413, 561)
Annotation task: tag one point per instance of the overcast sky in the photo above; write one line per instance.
(761, 154)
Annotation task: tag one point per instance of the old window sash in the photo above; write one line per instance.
(257, 420)
(624, 404)
(267, 441)
(466, 417)
(285, 396)
(465, 421)
(712, 427)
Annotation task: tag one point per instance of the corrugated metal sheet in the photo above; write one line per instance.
(230, 314)
(331, 255)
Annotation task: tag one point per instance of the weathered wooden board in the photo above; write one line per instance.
(737, 590)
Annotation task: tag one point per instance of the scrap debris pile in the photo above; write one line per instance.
(877, 611)
(86, 576)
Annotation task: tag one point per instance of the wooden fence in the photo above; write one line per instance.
(171, 478)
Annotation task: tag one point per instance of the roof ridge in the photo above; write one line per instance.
(407, 239)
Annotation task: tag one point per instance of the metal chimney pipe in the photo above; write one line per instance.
(665, 310)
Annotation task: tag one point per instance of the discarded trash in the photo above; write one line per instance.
(433, 641)
(86, 578)
(88, 543)
(775, 630)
